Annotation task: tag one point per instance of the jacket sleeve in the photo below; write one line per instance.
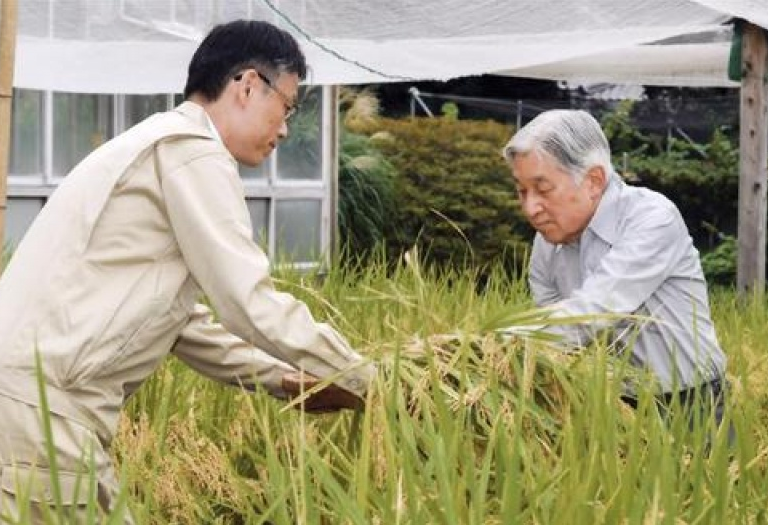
(207, 347)
(207, 211)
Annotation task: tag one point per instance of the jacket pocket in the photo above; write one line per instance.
(29, 484)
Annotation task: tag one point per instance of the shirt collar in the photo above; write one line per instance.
(605, 221)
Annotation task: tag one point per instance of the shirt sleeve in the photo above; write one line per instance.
(207, 211)
(207, 347)
(540, 278)
(649, 248)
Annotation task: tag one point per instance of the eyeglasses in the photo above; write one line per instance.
(290, 107)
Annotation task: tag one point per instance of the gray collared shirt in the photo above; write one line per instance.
(635, 257)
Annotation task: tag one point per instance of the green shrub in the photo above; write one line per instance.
(720, 264)
(455, 198)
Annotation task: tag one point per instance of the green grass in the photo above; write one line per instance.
(6, 250)
(461, 427)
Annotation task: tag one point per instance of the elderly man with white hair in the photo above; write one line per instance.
(618, 254)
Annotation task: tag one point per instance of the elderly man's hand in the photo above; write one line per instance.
(329, 399)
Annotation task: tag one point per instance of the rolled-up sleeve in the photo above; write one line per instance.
(207, 211)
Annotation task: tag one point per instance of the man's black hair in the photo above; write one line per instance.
(229, 48)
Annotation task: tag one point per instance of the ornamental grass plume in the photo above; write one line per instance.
(362, 107)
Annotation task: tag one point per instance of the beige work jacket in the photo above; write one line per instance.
(107, 281)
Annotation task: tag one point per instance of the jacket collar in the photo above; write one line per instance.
(201, 121)
(197, 115)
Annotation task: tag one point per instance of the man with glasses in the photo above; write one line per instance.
(108, 279)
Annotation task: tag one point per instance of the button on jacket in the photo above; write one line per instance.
(107, 281)
(635, 257)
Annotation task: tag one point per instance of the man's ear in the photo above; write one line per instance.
(245, 86)
(596, 179)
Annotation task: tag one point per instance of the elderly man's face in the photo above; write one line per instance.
(553, 203)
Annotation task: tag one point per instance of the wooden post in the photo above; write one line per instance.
(753, 162)
(7, 51)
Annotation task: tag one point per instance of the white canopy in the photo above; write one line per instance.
(144, 46)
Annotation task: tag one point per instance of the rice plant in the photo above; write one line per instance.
(462, 426)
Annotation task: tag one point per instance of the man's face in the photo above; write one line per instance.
(263, 107)
(553, 203)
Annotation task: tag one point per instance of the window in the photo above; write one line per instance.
(139, 107)
(288, 195)
(81, 123)
(20, 214)
(259, 172)
(259, 211)
(27, 133)
(297, 225)
(299, 155)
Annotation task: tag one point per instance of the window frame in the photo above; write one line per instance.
(271, 188)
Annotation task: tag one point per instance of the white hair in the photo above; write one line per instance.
(572, 138)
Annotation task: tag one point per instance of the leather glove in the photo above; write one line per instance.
(329, 399)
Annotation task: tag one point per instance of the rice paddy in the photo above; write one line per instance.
(460, 427)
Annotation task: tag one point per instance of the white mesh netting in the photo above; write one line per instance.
(144, 46)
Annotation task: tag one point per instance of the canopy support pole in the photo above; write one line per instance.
(753, 162)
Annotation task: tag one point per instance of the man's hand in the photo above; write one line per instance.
(329, 399)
